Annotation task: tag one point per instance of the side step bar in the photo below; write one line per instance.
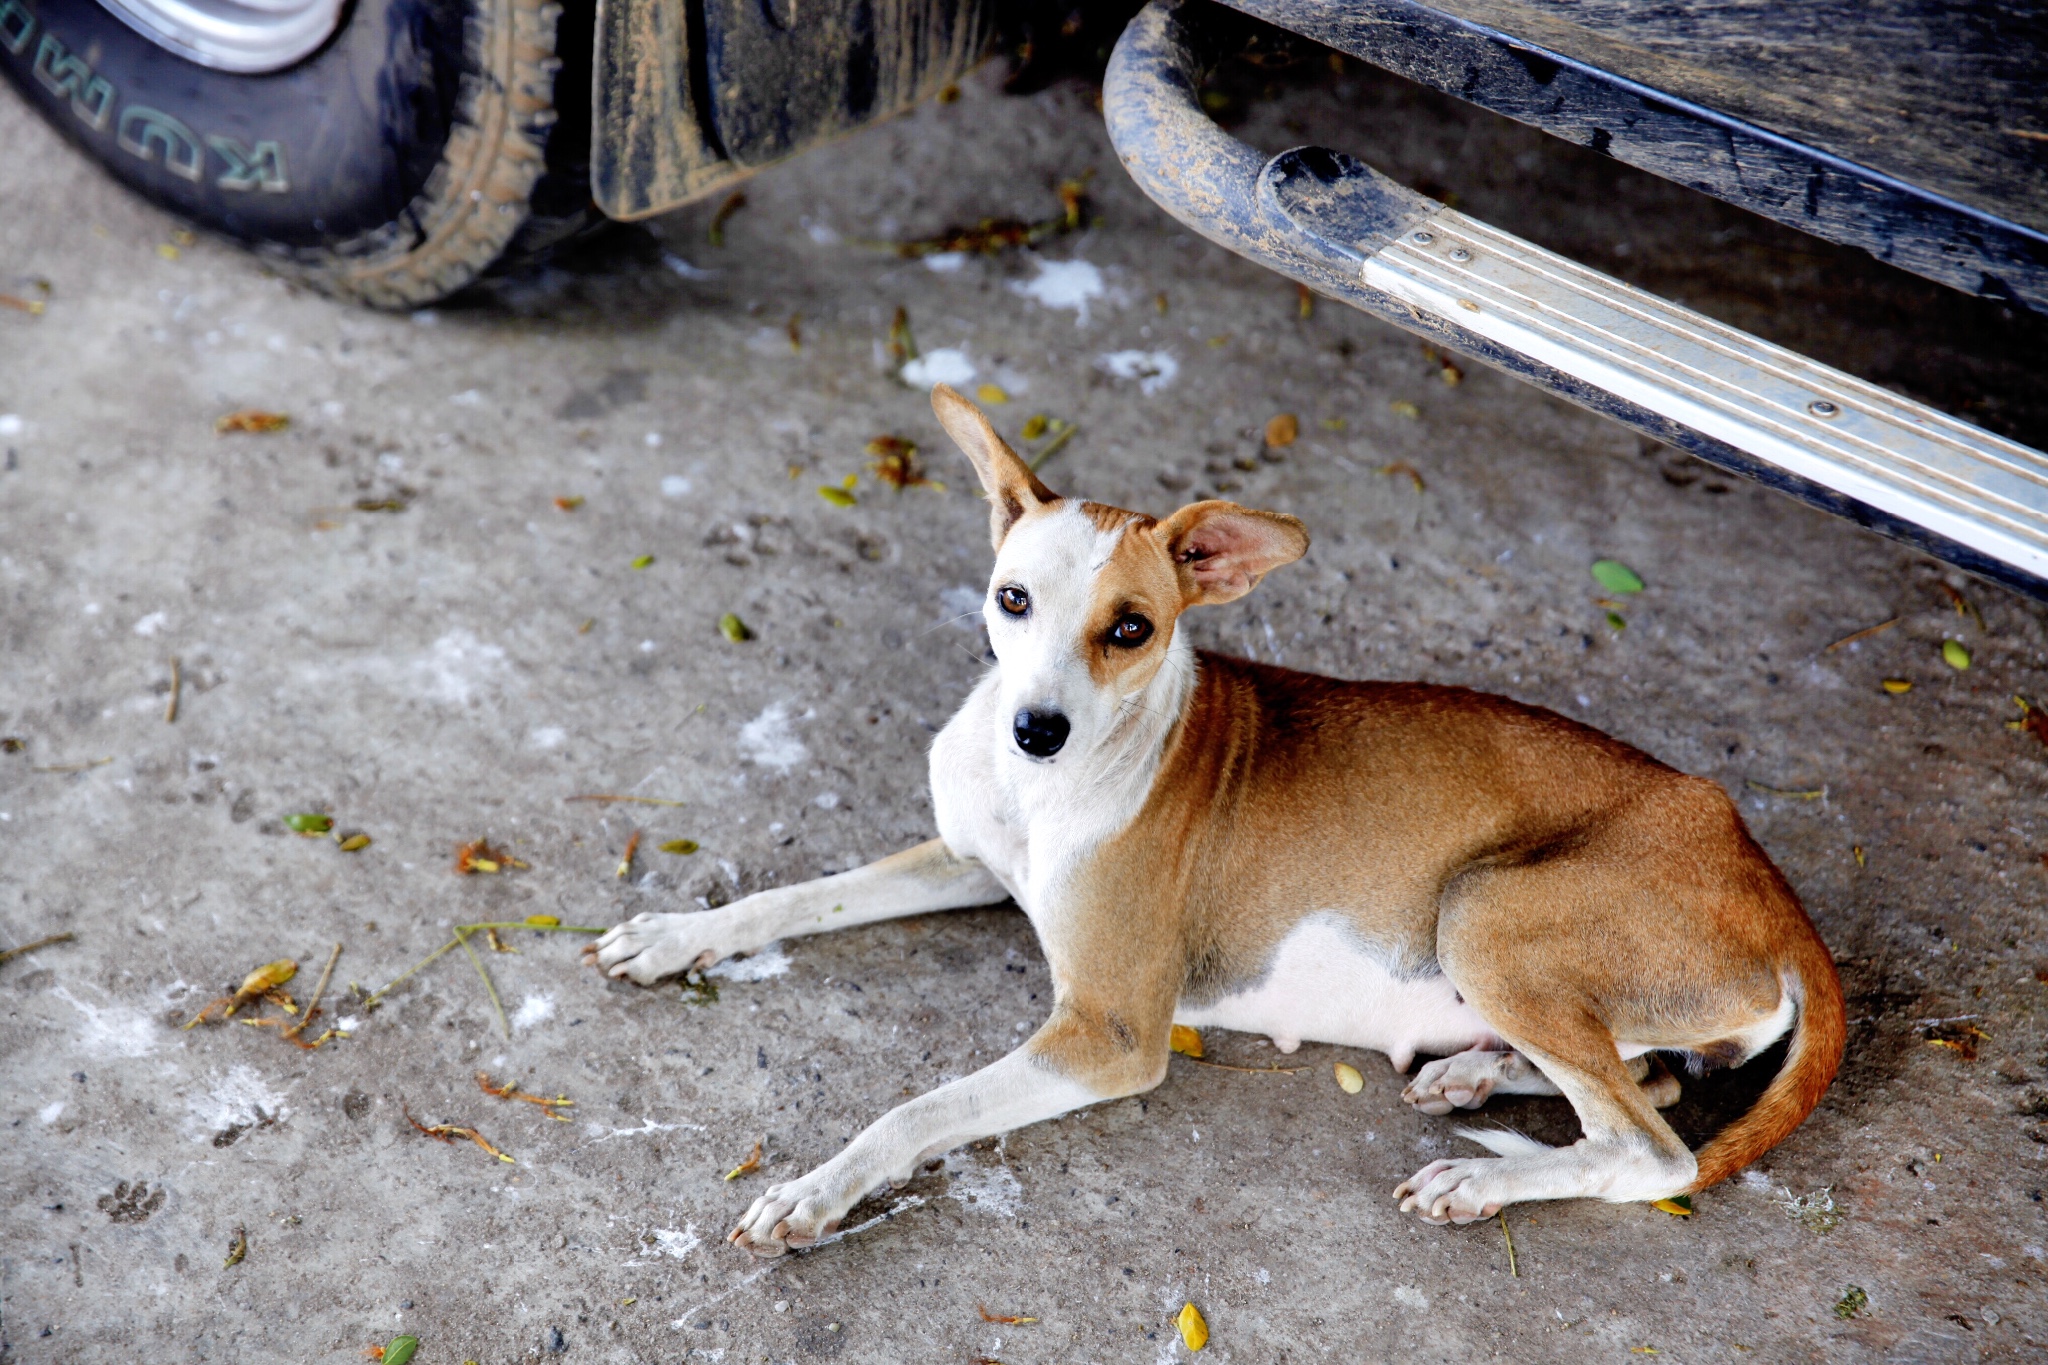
(1735, 401)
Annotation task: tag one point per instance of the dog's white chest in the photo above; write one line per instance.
(1324, 987)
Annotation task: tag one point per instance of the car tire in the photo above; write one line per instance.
(423, 142)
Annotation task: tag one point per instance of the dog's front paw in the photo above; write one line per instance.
(648, 947)
(790, 1216)
(1461, 1191)
(1460, 1082)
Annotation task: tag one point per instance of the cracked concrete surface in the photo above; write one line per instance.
(462, 666)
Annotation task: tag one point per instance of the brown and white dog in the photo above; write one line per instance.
(1203, 840)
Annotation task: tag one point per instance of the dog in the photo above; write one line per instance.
(1207, 841)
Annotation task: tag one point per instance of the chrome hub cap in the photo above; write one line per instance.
(248, 37)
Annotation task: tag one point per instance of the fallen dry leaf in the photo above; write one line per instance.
(747, 1167)
(1401, 407)
(569, 504)
(450, 1132)
(896, 462)
(735, 630)
(992, 393)
(237, 1249)
(1678, 1206)
(252, 420)
(1282, 431)
(1348, 1078)
(1898, 687)
(510, 1091)
(1185, 1041)
(352, 843)
(1400, 467)
(479, 856)
(260, 984)
(683, 847)
(1193, 1330)
(626, 861)
(2033, 720)
(987, 1316)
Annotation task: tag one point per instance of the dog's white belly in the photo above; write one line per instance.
(1325, 987)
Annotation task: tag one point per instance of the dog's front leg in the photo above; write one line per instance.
(928, 877)
(1079, 1057)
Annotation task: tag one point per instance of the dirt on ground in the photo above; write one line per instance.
(493, 567)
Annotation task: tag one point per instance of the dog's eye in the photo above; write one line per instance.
(1131, 630)
(1014, 600)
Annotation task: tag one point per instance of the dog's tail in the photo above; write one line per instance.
(1810, 1064)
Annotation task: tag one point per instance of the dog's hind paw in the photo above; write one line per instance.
(1461, 1191)
(648, 947)
(1461, 1082)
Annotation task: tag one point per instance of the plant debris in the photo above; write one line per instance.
(1955, 655)
(2033, 720)
(1034, 426)
(1678, 1205)
(1958, 1036)
(1817, 1210)
(538, 923)
(1855, 1300)
(9, 954)
(606, 798)
(1193, 1330)
(1898, 687)
(351, 843)
(12, 744)
(626, 861)
(451, 1132)
(1863, 634)
(254, 421)
(1447, 369)
(1616, 576)
(177, 692)
(310, 824)
(1348, 1078)
(840, 494)
(87, 766)
(238, 1248)
(987, 1316)
(1061, 432)
(734, 202)
(735, 630)
(400, 1351)
(991, 236)
(1400, 467)
(381, 504)
(32, 307)
(1793, 793)
(642, 561)
(569, 504)
(510, 1091)
(902, 345)
(478, 856)
(296, 1032)
(1282, 430)
(747, 1167)
(680, 847)
(264, 983)
(1185, 1041)
(1304, 302)
(1401, 407)
(1963, 605)
(895, 461)
(1514, 1271)
(993, 394)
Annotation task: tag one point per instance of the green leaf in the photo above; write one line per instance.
(1954, 655)
(643, 561)
(838, 497)
(681, 846)
(734, 629)
(401, 1350)
(1616, 576)
(1617, 620)
(309, 823)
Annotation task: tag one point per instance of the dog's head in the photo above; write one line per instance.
(1082, 605)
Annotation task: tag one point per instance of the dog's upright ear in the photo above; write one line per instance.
(1222, 550)
(1012, 488)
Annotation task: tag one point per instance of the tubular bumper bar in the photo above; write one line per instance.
(1743, 404)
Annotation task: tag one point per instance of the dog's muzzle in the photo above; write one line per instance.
(1040, 733)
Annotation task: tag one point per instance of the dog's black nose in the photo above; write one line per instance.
(1040, 733)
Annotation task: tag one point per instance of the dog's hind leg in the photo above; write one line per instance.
(928, 877)
(1468, 1079)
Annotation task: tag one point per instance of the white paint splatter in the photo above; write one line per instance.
(11, 424)
(1153, 370)
(534, 1010)
(826, 800)
(947, 365)
(152, 623)
(547, 737)
(962, 606)
(50, 1113)
(675, 486)
(1063, 284)
(989, 1188)
(348, 1023)
(456, 665)
(768, 740)
(239, 1099)
(677, 1244)
(824, 234)
(111, 1030)
(1408, 1296)
(468, 398)
(945, 262)
(768, 961)
(597, 1132)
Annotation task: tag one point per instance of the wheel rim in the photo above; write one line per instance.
(243, 36)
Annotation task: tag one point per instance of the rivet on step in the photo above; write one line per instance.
(1460, 255)
(1821, 407)
(1422, 238)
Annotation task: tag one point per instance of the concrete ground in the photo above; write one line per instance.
(465, 665)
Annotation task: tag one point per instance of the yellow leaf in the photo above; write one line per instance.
(837, 496)
(1185, 1041)
(1034, 426)
(1954, 655)
(1401, 407)
(1896, 686)
(1193, 1330)
(683, 847)
(1348, 1078)
(355, 843)
(992, 393)
(543, 921)
(1282, 430)
(1672, 1207)
(252, 420)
